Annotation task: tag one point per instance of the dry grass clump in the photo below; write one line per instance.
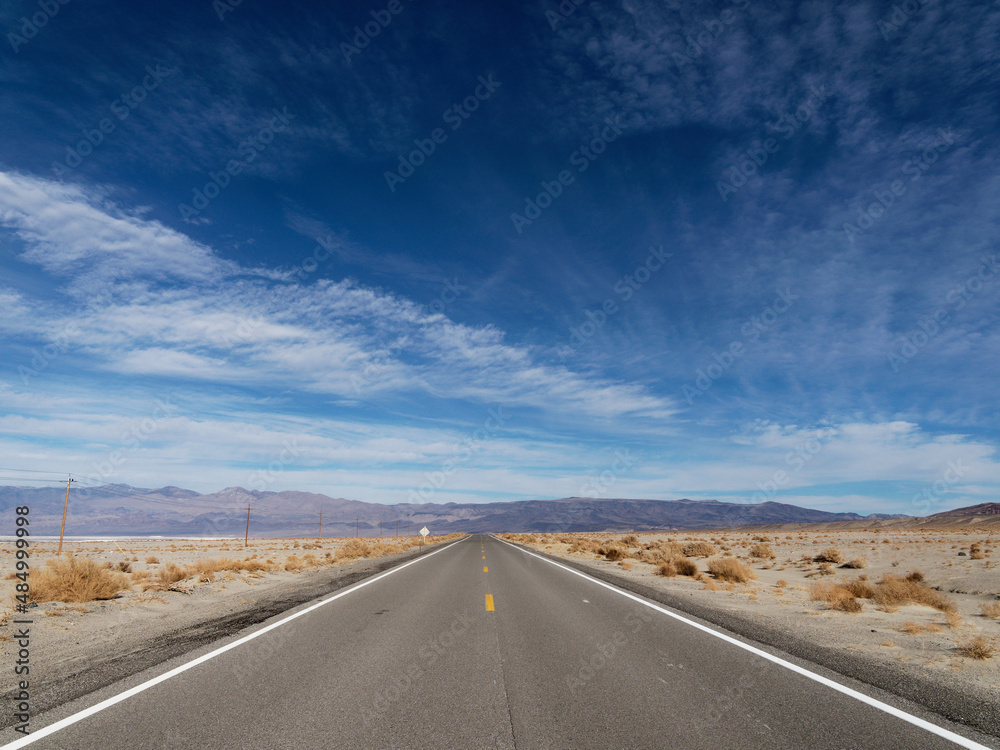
(666, 569)
(658, 551)
(152, 560)
(835, 596)
(354, 548)
(677, 566)
(584, 545)
(893, 591)
(359, 548)
(856, 564)
(978, 648)
(685, 566)
(860, 589)
(890, 592)
(914, 628)
(698, 549)
(165, 580)
(612, 552)
(763, 551)
(228, 564)
(730, 569)
(203, 570)
(75, 580)
(630, 540)
(829, 555)
(991, 609)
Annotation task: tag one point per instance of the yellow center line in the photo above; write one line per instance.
(489, 603)
(485, 569)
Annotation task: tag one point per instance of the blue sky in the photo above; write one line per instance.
(404, 251)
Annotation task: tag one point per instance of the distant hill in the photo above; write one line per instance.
(983, 509)
(121, 510)
(972, 516)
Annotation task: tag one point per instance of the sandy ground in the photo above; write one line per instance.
(75, 648)
(923, 639)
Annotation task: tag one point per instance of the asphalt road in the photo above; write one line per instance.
(481, 645)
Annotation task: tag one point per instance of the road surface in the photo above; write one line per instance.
(481, 644)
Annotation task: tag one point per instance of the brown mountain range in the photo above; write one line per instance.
(120, 510)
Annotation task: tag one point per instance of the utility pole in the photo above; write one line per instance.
(246, 539)
(357, 527)
(397, 528)
(380, 529)
(320, 523)
(65, 508)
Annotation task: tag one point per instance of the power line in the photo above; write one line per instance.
(32, 471)
(31, 479)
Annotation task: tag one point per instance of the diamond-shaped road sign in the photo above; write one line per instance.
(424, 531)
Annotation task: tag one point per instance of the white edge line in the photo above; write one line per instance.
(108, 702)
(926, 725)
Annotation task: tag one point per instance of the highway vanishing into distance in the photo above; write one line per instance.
(481, 644)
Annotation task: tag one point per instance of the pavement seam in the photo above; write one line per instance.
(503, 681)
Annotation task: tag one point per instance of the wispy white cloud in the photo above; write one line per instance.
(175, 310)
(70, 232)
